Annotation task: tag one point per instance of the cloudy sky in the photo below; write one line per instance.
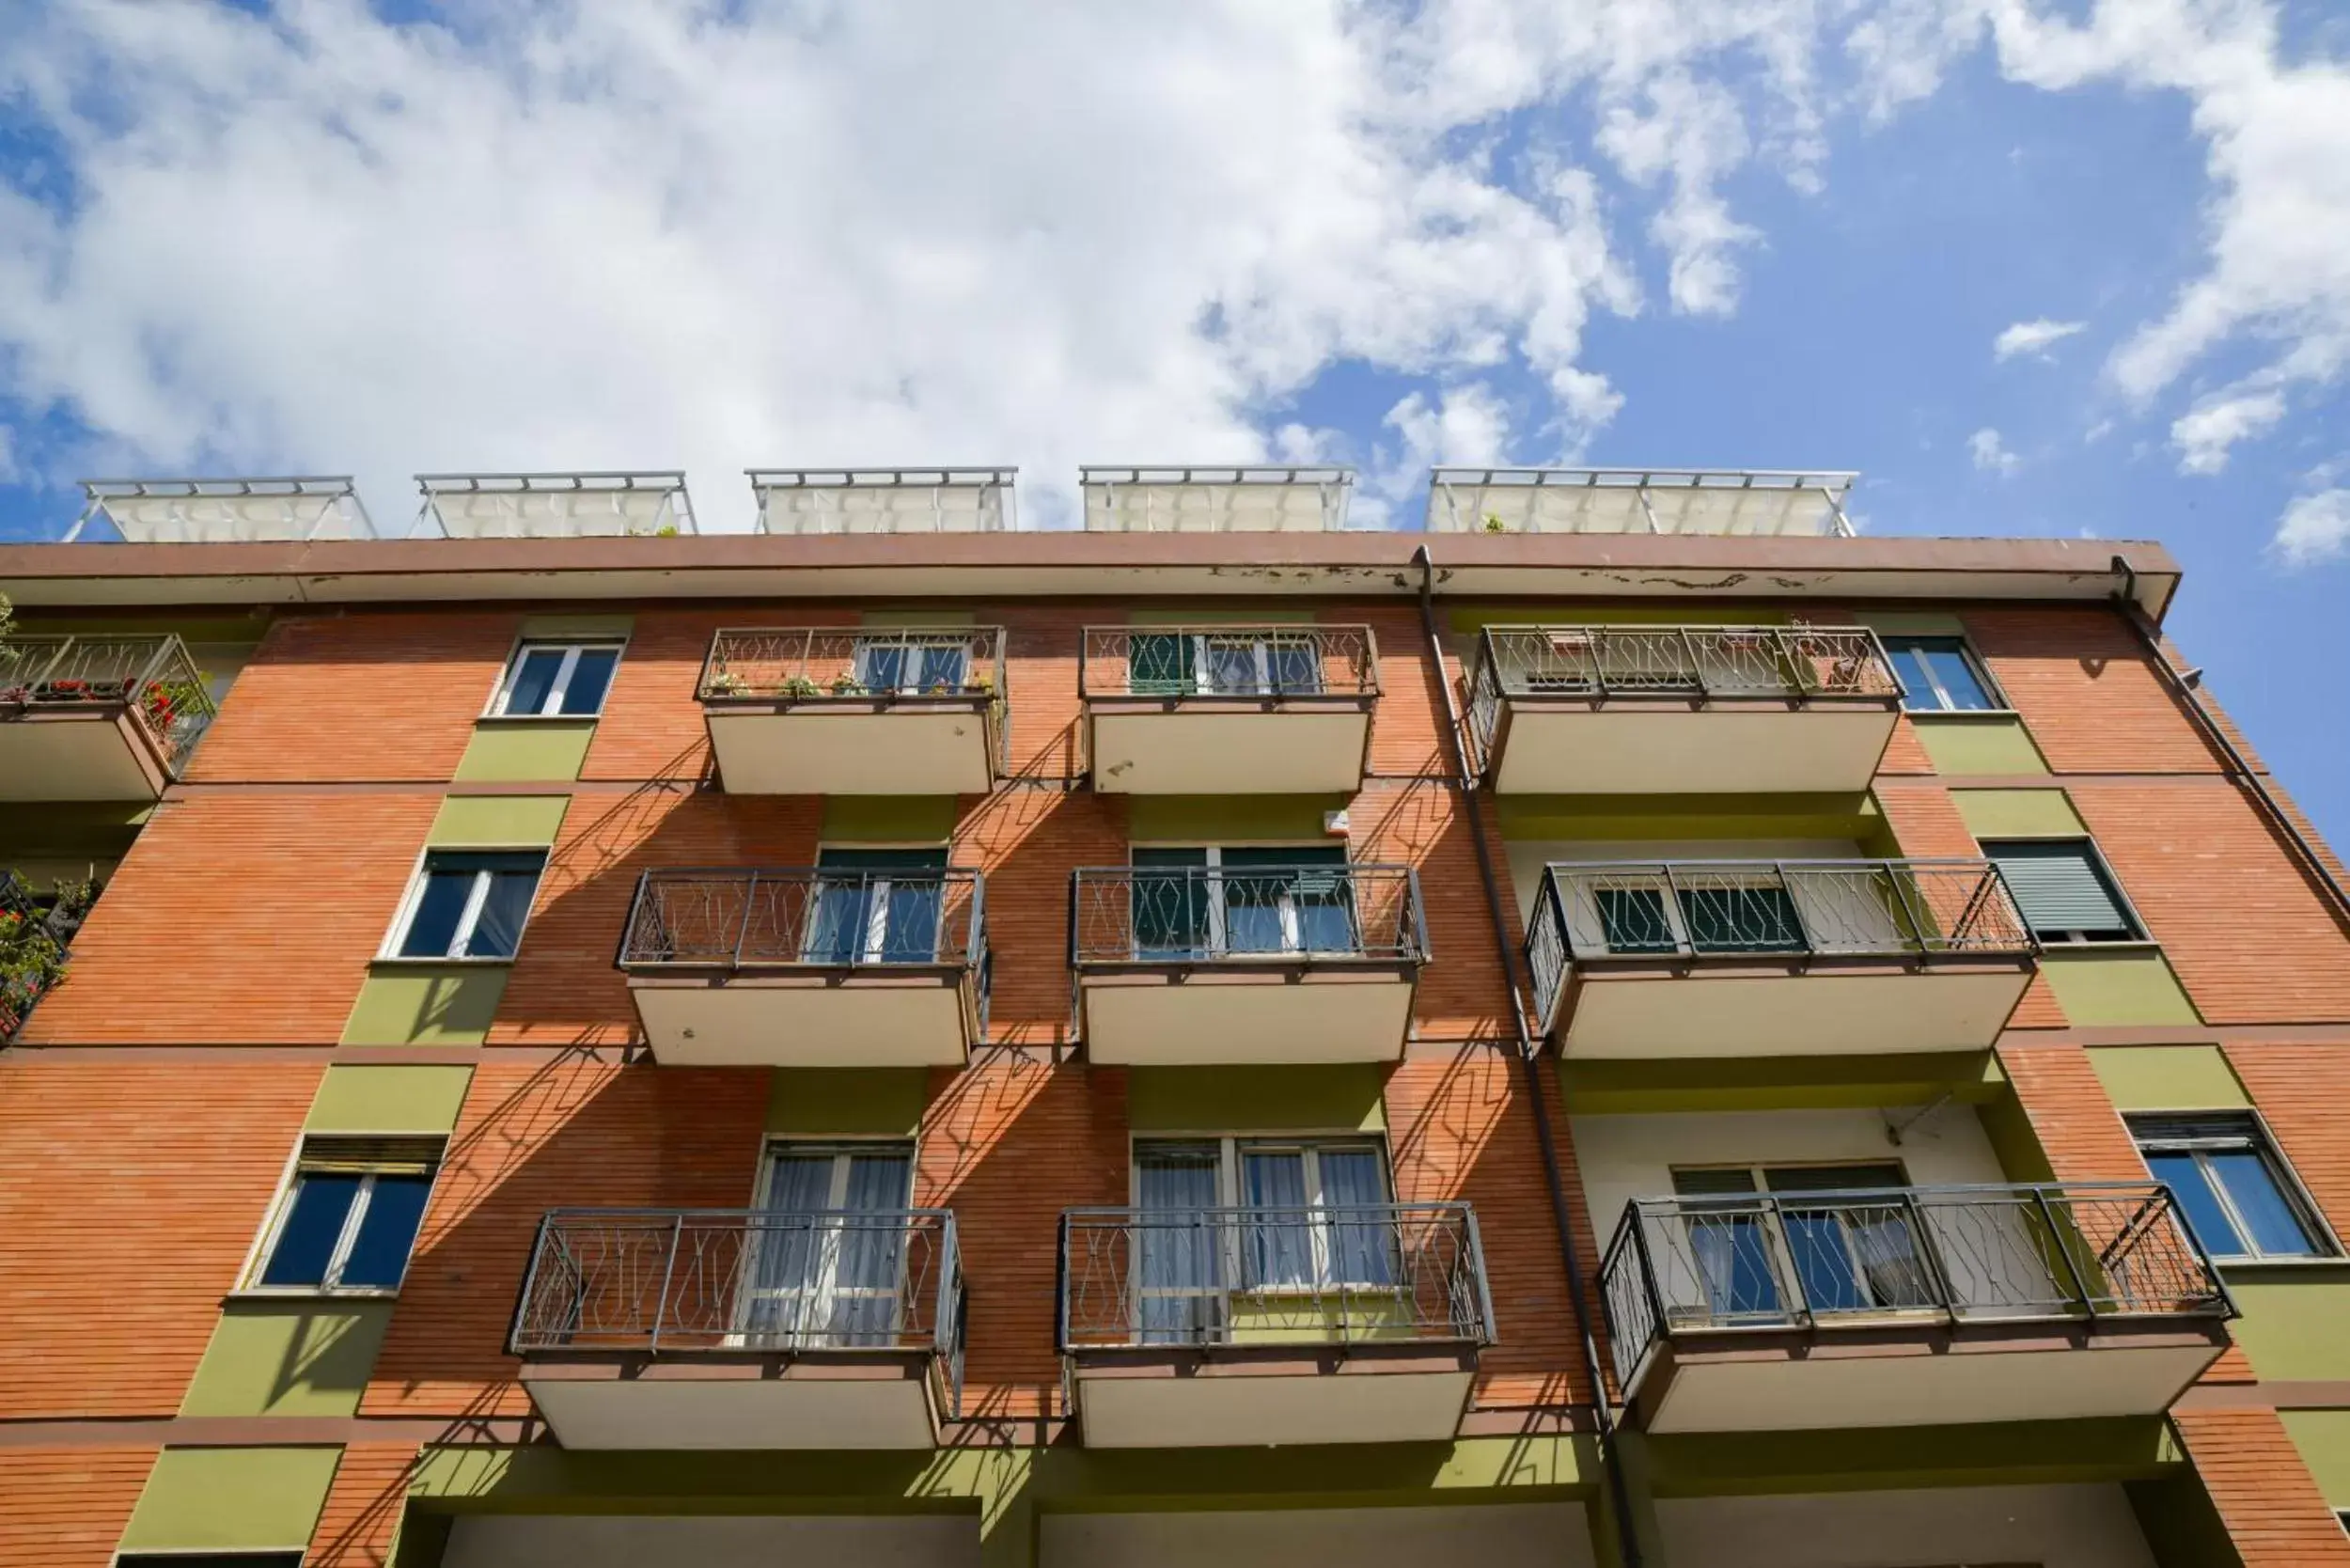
(2033, 266)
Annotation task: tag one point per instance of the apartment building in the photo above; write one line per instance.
(1630, 1026)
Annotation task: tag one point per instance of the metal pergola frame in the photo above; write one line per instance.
(677, 509)
(1334, 482)
(937, 480)
(1831, 484)
(335, 491)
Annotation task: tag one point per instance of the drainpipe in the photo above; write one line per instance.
(1627, 1541)
(2208, 724)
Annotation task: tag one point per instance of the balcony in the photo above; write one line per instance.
(1761, 958)
(748, 1329)
(35, 935)
(1214, 965)
(806, 968)
(1908, 1307)
(1211, 1328)
(108, 718)
(1227, 710)
(849, 711)
(1682, 710)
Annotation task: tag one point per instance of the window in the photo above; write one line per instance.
(468, 905)
(2238, 1194)
(348, 1218)
(2063, 891)
(829, 1252)
(558, 679)
(1843, 1253)
(875, 906)
(913, 664)
(1224, 664)
(1941, 675)
(1311, 1217)
(1214, 902)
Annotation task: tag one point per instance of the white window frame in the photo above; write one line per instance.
(815, 1303)
(281, 1210)
(1942, 704)
(2325, 1247)
(876, 938)
(1921, 1235)
(1293, 929)
(469, 918)
(915, 643)
(1230, 1190)
(502, 699)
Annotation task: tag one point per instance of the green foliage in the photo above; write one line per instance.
(33, 942)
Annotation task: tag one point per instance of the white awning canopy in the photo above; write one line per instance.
(1637, 501)
(1142, 500)
(884, 500)
(223, 511)
(555, 506)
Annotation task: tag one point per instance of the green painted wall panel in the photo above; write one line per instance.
(1856, 1459)
(2292, 1326)
(1649, 1087)
(2324, 1438)
(917, 615)
(888, 819)
(402, 1098)
(1229, 819)
(2129, 985)
(232, 1499)
(2018, 813)
(1610, 818)
(70, 831)
(499, 821)
(2182, 1526)
(525, 751)
(2010, 1133)
(1247, 615)
(2168, 1077)
(1341, 1096)
(1476, 617)
(847, 1101)
(578, 625)
(288, 1358)
(1976, 746)
(1912, 623)
(425, 1004)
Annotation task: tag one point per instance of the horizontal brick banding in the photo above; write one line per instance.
(66, 1508)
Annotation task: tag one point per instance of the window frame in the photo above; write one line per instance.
(2260, 1142)
(501, 694)
(469, 920)
(303, 1161)
(823, 1290)
(1230, 1147)
(1288, 910)
(1897, 643)
(2101, 869)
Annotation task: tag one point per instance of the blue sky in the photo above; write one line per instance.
(321, 238)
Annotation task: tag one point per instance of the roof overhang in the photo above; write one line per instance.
(1029, 564)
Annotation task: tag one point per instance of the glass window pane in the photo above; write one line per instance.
(499, 930)
(1169, 908)
(1281, 1242)
(1177, 1259)
(1232, 665)
(379, 1255)
(590, 678)
(433, 929)
(1632, 921)
(306, 1244)
(533, 679)
(910, 921)
(1158, 664)
(2251, 1186)
(1957, 677)
(2203, 1212)
(884, 665)
(942, 668)
(1735, 919)
(1295, 665)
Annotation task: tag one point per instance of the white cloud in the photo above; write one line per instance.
(2204, 433)
(2315, 528)
(1465, 426)
(1990, 453)
(2032, 337)
(611, 236)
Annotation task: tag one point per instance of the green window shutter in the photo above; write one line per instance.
(2058, 887)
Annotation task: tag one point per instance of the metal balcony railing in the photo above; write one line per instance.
(1391, 1272)
(1960, 1254)
(1259, 663)
(151, 674)
(806, 916)
(1798, 664)
(752, 1280)
(1591, 911)
(1228, 915)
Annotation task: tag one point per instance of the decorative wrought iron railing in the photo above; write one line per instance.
(1585, 912)
(1788, 663)
(1253, 914)
(1392, 1272)
(1963, 1254)
(151, 674)
(749, 1280)
(806, 916)
(858, 664)
(1259, 663)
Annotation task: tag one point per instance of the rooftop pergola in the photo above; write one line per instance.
(1720, 501)
(885, 500)
(554, 506)
(223, 511)
(1182, 499)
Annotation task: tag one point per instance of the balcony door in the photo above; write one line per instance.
(827, 1254)
(875, 906)
(1757, 1262)
(1215, 902)
(912, 665)
(1224, 664)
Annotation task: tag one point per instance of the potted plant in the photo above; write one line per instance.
(724, 682)
(847, 685)
(799, 688)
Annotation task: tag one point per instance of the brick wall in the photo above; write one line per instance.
(363, 1506)
(2272, 1507)
(65, 1508)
